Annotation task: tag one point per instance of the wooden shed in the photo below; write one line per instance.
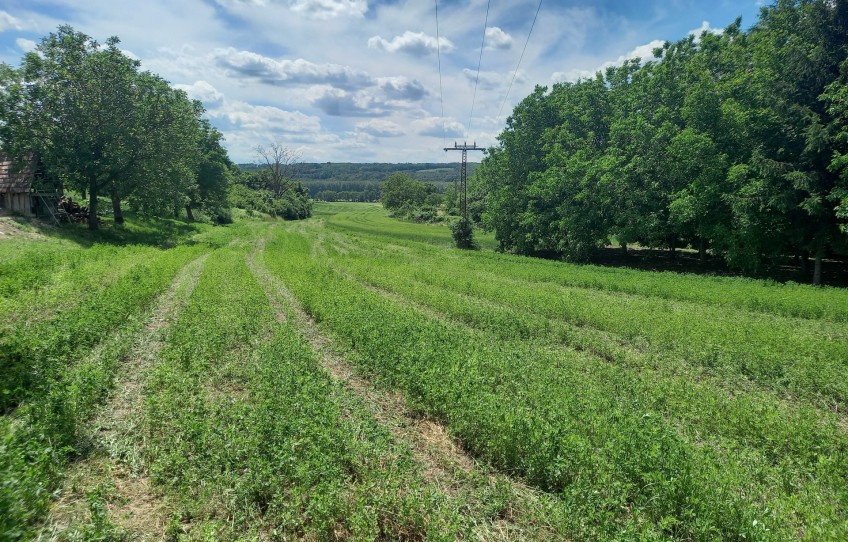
(23, 191)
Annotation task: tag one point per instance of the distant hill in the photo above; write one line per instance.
(356, 178)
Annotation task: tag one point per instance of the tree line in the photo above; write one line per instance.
(734, 143)
(99, 125)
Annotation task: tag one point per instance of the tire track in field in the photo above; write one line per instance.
(443, 463)
(113, 466)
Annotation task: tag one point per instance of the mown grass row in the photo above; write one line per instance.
(797, 300)
(95, 299)
(55, 379)
(804, 357)
(579, 426)
(724, 407)
(372, 219)
(72, 275)
(253, 439)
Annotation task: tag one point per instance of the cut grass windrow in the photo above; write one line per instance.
(61, 381)
(797, 300)
(252, 439)
(105, 492)
(572, 424)
(498, 507)
(806, 358)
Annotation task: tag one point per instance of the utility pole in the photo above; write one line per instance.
(463, 176)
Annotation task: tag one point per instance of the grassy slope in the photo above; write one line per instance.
(704, 415)
(642, 405)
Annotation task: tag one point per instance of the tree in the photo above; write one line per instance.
(160, 174)
(400, 193)
(71, 105)
(213, 174)
(101, 127)
(280, 163)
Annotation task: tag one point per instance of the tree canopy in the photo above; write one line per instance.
(101, 126)
(736, 142)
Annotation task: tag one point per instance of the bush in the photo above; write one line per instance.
(463, 234)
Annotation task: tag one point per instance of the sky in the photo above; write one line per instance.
(360, 80)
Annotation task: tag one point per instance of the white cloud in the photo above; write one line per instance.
(289, 72)
(7, 22)
(184, 63)
(203, 91)
(401, 88)
(264, 117)
(380, 128)
(412, 43)
(329, 9)
(25, 45)
(643, 52)
(492, 80)
(705, 27)
(572, 75)
(497, 38)
(437, 127)
(336, 102)
(240, 3)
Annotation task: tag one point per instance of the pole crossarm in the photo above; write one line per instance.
(465, 147)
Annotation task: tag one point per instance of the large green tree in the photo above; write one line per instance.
(100, 126)
(734, 142)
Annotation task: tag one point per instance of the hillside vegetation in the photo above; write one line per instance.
(733, 143)
(353, 377)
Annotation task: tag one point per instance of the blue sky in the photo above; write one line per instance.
(358, 80)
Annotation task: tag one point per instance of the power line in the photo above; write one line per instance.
(439, 56)
(479, 62)
(520, 59)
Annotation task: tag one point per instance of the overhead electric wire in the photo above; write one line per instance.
(479, 63)
(441, 92)
(520, 59)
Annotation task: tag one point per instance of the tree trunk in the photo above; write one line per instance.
(673, 249)
(623, 249)
(116, 208)
(702, 251)
(805, 263)
(189, 213)
(817, 267)
(92, 207)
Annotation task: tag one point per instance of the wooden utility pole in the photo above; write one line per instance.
(463, 176)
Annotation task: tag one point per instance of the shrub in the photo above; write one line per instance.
(463, 234)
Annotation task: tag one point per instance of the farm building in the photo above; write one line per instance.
(25, 192)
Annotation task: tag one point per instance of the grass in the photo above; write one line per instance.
(604, 398)
(61, 347)
(632, 404)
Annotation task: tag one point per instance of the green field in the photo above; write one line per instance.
(352, 377)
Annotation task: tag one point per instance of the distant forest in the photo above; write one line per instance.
(339, 181)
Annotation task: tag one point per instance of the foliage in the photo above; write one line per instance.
(404, 197)
(99, 126)
(732, 142)
(356, 173)
(463, 233)
(214, 176)
(293, 205)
